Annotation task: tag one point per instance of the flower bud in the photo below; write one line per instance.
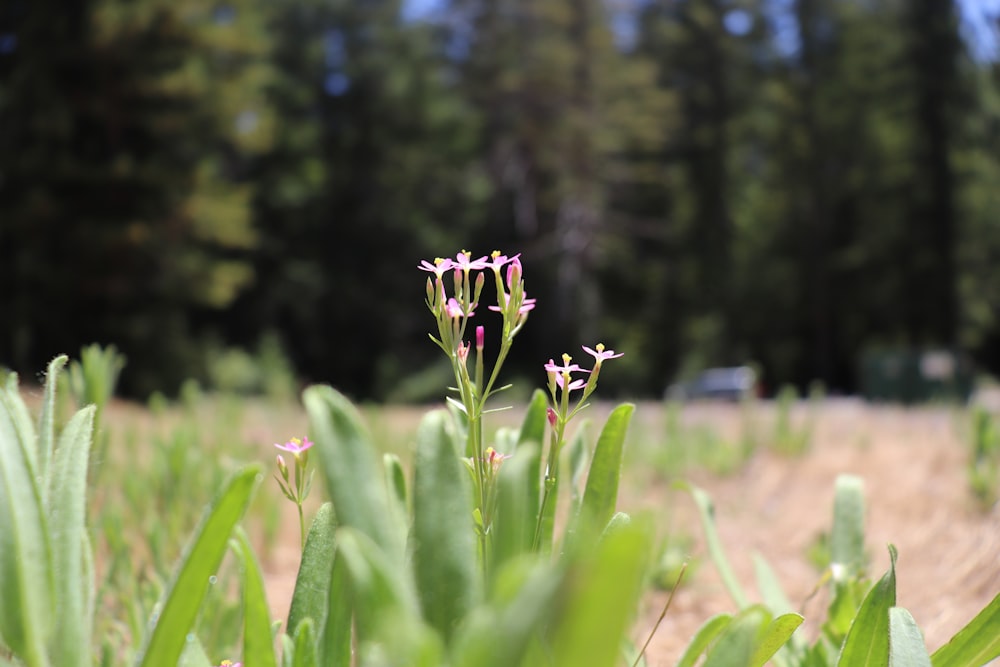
(282, 468)
(480, 338)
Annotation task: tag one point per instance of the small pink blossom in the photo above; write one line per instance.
(573, 385)
(600, 354)
(438, 267)
(495, 459)
(295, 446)
(464, 262)
(497, 261)
(455, 310)
(513, 271)
(463, 352)
(230, 663)
(567, 367)
(480, 338)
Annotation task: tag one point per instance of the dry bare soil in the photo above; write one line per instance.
(912, 462)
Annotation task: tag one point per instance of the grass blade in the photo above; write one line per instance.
(334, 645)
(975, 644)
(601, 492)
(312, 585)
(867, 642)
(443, 535)
(706, 511)
(354, 479)
(67, 523)
(182, 599)
(258, 645)
(27, 585)
(906, 642)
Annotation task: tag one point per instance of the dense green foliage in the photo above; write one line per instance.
(702, 182)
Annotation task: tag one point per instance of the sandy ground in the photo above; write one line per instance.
(912, 462)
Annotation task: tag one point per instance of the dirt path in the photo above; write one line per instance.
(912, 464)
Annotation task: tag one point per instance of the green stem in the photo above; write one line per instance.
(302, 526)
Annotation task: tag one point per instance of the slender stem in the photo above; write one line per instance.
(302, 526)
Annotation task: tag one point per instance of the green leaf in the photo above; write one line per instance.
(27, 583)
(514, 523)
(498, 635)
(867, 642)
(704, 638)
(707, 513)
(847, 539)
(443, 537)
(906, 642)
(737, 645)
(194, 655)
(67, 523)
(200, 561)
(601, 492)
(533, 431)
(312, 585)
(305, 645)
(46, 420)
(975, 644)
(258, 645)
(604, 588)
(775, 636)
(334, 645)
(379, 587)
(353, 477)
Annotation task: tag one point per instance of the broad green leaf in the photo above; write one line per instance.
(443, 536)
(353, 477)
(258, 645)
(576, 457)
(47, 420)
(396, 476)
(706, 511)
(601, 492)
(499, 634)
(200, 561)
(706, 635)
(847, 539)
(67, 523)
(312, 585)
(775, 636)
(379, 587)
(867, 642)
(604, 587)
(514, 524)
(975, 644)
(738, 643)
(27, 584)
(334, 645)
(305, 645)
(906, 642)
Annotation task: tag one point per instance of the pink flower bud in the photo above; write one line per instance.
(480, 337)
(551, 414)
(513, 272)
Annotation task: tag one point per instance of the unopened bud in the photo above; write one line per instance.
(282, 468)
(480, 338)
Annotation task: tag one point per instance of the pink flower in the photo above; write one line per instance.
(573, 385)
(463, 352)
(480, 338)
(513, 271)
(454, 309)
(230, 663)
(464, 262)
(567, 367)
(438, 267)
(600, 354)
(497, 260)
(551, 415)
(295, 446)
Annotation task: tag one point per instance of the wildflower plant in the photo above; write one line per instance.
(296, 491)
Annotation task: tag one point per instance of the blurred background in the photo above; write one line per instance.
(227, 190)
